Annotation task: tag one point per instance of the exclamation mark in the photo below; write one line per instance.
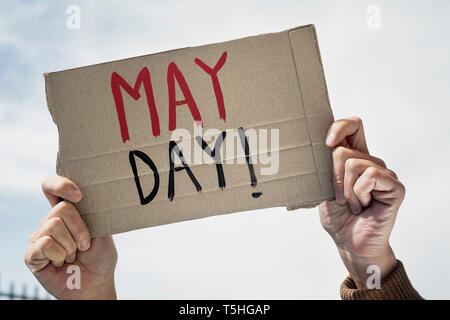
(245, 146)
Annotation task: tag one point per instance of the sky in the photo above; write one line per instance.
(394, 74)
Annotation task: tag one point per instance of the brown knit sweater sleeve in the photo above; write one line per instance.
(396, 286)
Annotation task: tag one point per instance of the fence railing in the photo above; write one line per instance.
(12, 294)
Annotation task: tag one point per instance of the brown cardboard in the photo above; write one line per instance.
(270, 81)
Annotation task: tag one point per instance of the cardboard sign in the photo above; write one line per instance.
(195, 132)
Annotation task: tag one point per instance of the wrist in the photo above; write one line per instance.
(105, 290)
(357, 266)
(108, 292)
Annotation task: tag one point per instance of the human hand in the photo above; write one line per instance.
(62, 239)
(368, 197)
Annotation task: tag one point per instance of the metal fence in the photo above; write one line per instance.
(22, 294)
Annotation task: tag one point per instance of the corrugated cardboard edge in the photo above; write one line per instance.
(52, 110)
(314, 203)
(48, 95)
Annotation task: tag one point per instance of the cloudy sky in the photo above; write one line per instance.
(395, 77)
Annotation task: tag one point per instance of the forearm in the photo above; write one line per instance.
(102, 290)
(358, 266)
(107, 291)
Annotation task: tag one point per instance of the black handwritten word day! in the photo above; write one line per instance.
(175, 74)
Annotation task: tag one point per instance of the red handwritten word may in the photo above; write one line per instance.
(173, 74)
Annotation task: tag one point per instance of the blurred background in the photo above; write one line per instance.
(386, 62)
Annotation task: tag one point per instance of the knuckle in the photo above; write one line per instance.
(55, 223)
(348, 193)
(340, 152)
(64, 205)
(350, 164)
(47, 242)
(380, 162)
(357, 120)
(338, 180)
(372, 172)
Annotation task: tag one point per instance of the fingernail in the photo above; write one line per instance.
(71, 258)
(76, 195)
(58, 264)
(85, 245)
(330, 139)
(340, 199)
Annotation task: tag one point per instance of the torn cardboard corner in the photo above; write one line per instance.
(195, 132)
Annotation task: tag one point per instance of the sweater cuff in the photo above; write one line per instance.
(395, 286)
